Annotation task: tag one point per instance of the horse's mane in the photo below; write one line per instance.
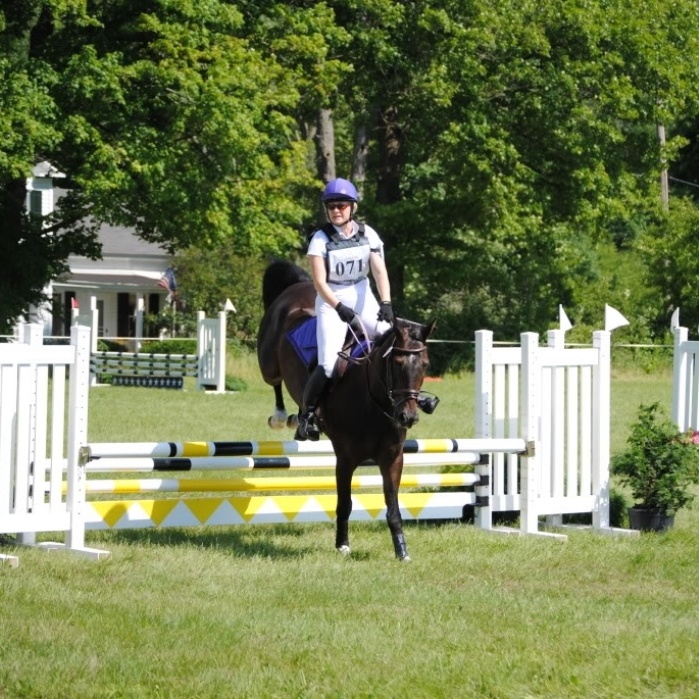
(414, 332)
(279, 275)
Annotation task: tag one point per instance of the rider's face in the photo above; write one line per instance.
(338, 212)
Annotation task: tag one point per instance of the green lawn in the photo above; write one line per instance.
(273, 611)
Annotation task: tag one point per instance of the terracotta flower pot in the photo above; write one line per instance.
(650, 519)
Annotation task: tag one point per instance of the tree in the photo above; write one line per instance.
(164, 119)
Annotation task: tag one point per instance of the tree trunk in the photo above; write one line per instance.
(325, 145)
(359, 156)
(388, 190)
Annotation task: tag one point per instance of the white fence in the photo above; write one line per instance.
(558, 400)
(685, 380)
(36, 381)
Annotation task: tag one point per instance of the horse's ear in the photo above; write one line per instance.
(429, 328)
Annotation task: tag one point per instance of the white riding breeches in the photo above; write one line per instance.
(331, 329)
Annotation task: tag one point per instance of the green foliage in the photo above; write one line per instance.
(174, 346)
(206, 278)
(660, 464)
(669, 252)
(503, 149)
(235, 383)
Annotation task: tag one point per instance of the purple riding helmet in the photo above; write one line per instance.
(338, 190)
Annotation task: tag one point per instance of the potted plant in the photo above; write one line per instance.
(659, 465)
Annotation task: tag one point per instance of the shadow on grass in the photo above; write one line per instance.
(241, 542)
(274, 541)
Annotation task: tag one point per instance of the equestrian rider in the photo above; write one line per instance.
(341, 257)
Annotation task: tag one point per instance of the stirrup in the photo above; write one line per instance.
(307, 428)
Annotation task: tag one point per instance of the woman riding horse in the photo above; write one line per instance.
(369, 408)
(341, 254)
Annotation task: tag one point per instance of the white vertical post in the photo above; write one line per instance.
(558, 433)
(203, 350)
(530, 410)
(77, 435)
(140, 308)
(94, 323)
(26, 430)
(601, 401)
(483, 517)
(680, 368)
(221, 353)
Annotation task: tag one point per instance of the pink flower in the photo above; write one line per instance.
(695, 437)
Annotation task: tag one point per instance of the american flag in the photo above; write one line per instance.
(167, 281)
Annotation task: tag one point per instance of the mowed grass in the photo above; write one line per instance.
(273, 611)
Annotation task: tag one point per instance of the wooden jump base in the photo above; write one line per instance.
(283, 509)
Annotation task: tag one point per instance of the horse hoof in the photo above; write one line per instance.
(277, 421)
(405, 559)
(292, 421)
(344, 549)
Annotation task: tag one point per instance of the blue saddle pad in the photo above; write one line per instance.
(303, 340)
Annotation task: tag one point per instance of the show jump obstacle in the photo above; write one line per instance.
(208, 365)
(541, 449)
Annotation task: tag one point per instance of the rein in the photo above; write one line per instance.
(396, 396)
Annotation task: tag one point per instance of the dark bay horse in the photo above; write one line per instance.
(366, 412)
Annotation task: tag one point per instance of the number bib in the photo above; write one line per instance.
(348, 260)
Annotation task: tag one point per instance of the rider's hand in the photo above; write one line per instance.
(345, 312)
(386, 312)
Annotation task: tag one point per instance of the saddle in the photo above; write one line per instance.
(303, 340)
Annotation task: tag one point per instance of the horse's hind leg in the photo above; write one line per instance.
(280, 418)
(391, 482)
(343, 479)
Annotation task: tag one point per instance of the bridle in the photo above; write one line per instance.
(398, 396)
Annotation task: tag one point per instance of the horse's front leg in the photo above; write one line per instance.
(343, 480)
(280, 419)
(391, 472)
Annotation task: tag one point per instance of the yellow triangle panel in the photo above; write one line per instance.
(158, 510)
(110, 512)
(247, 507)
(203, 508)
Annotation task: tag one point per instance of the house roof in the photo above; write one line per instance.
(133, 282)
(128, 264)
(118, 240)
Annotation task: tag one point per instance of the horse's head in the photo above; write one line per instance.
(405, 359)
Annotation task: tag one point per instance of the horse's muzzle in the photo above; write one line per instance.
(408, 416)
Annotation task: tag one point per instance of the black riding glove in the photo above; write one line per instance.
(345, 312)
(386, 312)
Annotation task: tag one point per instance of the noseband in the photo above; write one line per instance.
(398, 396)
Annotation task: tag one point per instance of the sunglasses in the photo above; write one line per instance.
(339, 205)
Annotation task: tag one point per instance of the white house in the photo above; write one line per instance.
(124, 280)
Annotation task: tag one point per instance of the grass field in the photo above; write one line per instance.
(273, 611)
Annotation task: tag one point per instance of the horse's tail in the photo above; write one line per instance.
(279, 275)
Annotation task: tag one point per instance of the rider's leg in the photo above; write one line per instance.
(312, 393)
(330, 335)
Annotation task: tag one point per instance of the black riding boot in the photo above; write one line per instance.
(307, 428)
